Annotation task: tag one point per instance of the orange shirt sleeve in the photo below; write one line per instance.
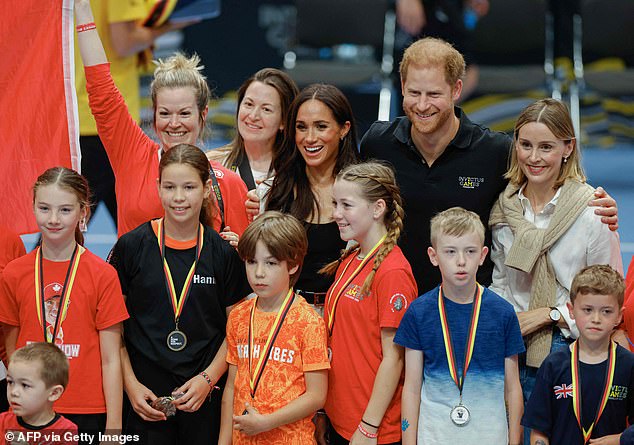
(315, 345)
(124, 141)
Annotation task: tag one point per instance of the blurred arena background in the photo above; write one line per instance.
(519, 62)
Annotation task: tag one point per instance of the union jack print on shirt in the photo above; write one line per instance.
(563, 391)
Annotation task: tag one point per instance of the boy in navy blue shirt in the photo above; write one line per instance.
(583, 393)
(461, 342)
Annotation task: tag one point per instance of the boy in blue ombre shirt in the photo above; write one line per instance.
(441, 403)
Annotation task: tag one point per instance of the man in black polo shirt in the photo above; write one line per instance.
(441, 158)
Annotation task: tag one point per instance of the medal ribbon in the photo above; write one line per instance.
(331, 302)
(178, 304)
(576, 387)
(473, 327)
(255, 374)
(66, 290)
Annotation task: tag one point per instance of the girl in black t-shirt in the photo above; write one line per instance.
(180, 280)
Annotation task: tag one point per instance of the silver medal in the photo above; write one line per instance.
(460, 415)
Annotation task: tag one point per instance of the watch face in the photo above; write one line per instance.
(555, 315)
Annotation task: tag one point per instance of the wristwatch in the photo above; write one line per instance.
(554, 315)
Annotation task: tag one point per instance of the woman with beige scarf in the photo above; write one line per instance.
(544, 232)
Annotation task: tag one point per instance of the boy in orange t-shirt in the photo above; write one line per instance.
(276, 343)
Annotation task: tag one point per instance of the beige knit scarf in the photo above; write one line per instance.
(529, 252)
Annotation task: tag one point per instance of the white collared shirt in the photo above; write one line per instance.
(588, 241)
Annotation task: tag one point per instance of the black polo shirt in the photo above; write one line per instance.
(469, 174)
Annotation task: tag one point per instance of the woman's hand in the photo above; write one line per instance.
(231, 237)
(139, 396)
(251, 423)
(252, 204)
(194, 392)
(534, 320)
(606, 207)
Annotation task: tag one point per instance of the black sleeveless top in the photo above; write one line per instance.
(324, 246)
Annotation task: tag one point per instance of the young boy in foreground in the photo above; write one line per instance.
(463, 394)
(36, 378)
(583, 394)
(276, 343)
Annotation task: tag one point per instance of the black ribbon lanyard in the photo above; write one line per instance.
(245, 172)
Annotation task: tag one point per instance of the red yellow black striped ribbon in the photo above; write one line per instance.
(256, 374)
(178, 303)
(160, 12)
(449, 349)
(331, 302)
(49, 336)
(576, 387)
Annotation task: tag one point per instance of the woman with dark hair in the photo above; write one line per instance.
(263, 103)
(320, 141)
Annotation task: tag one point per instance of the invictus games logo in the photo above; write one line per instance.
(469, 182)
(618, 392)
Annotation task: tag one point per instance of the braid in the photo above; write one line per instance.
(394, 225)
(331, 268)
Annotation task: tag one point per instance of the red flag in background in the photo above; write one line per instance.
(38, 116)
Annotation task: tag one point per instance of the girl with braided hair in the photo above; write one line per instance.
(373, 286)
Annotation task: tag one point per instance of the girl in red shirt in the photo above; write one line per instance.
(373, 286)
(63, 294)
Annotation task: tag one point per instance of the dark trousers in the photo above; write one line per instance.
(91, 424)
(200, 427)
(95, 167)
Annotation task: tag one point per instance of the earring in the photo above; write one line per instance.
(83, 227)
(565, 160)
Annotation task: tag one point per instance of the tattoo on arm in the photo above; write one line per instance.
(404, 425)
